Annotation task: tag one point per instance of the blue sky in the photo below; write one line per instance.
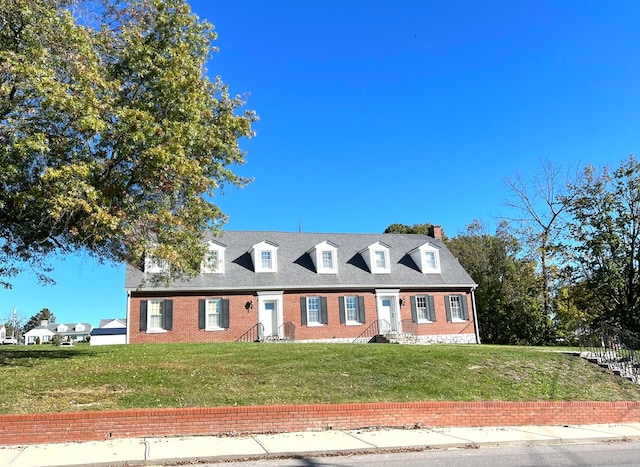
(375, 112)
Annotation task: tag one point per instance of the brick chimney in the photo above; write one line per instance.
(435, 231)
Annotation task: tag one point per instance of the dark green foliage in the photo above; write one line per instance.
(509, 293)
(37, 319)
(606, 243)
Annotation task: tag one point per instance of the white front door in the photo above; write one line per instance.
(269, 318)
(388, 313)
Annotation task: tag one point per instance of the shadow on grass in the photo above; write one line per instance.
(24, 356)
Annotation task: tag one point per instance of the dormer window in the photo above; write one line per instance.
(377, 258)
(325, 257)
(62, 328)
(264, 256)
(153, 265)
(427, 258)
(213, 261)
(430, 259)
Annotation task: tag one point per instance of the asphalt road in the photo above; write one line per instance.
(583, 455)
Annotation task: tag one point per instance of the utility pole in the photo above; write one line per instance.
(13, 324)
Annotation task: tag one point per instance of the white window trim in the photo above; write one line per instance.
(256, 256)
(318, 323)
(456, 320)
(151, 330)
(347, 321)
(219, 268)
(422, 320)
(206, 314)
(316, 254)
(419, 257)
(369, 255)
(153, 265)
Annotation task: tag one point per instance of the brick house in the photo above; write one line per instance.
(307, 287)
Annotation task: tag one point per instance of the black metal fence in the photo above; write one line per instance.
(613, 348)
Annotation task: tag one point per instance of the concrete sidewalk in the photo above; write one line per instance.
(159, 451)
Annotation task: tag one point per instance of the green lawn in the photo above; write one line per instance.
(53, 379)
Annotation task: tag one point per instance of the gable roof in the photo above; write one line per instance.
(53, 328)
(296, 270)
(113, 323)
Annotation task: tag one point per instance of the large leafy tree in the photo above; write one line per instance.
(509, 293)
(113, 140)
(606, 242)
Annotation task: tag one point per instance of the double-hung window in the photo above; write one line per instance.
(265, 257)
(454, 301)
(430, 260)
(212, 311)
(210, 262)
(213, 314)
(380, 259)
(313, 311)
(423, 309)
(352, 310)
(327, 259)
(456, 306)
(156, 312)
(156, 315)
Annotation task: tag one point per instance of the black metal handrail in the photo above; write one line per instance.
(253, 334)
(379, 326)
(612, 347)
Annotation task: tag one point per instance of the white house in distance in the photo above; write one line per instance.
(3, 332)
(110, 332)
(74, 332)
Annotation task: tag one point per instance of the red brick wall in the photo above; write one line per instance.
(185, 318)
(88, 426)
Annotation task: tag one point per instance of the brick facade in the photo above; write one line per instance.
(96, 426)
(243, 315)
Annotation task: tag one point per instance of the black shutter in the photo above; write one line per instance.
(414, 309)
(361, 316)
(201, 314)
(447, 305)
(224, 314)
(143, 315)
(324, 316)
(341, 309)
(432, 308)
(303, 310)
(463, 307)
(168, 315)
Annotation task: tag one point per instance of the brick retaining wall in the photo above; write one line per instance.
(91, 426)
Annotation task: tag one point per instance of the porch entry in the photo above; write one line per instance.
(270, 313)
(388, 310)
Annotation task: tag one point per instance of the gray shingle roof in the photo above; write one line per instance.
(296, 270)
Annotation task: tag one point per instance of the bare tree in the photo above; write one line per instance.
(539, 207)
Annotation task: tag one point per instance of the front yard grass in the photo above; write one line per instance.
(53, 379)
